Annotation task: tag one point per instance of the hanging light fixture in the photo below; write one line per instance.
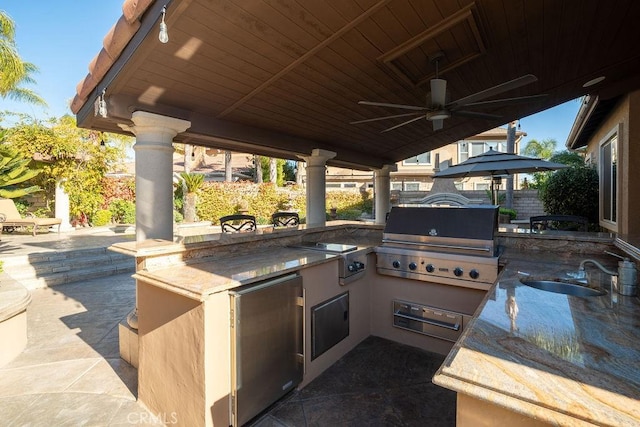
(163, 36)
(102, 105)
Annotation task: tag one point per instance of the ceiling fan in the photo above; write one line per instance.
(438, 109)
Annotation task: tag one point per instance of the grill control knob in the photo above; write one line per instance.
(430, 268)
(413, 266)
(458, 271)
(474, 274)
(396, 264)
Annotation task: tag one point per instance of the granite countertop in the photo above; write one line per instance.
(562, 359)
(199, 279)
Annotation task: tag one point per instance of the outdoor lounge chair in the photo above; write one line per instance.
(10, 217)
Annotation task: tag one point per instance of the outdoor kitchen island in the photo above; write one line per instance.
(184, 335)
(537, 358)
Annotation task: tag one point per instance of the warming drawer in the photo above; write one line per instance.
(426, 320)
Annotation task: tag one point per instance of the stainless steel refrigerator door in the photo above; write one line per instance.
(267, 344)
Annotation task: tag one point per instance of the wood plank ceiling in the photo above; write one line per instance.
(281, 77)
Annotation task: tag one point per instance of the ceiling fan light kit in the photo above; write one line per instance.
(438, 92)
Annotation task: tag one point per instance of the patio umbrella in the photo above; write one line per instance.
(497, 164)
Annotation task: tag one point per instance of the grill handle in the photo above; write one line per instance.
(452, 326)
(436, 245)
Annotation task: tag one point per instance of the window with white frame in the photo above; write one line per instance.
(411, 186)
(468, 149)
(608, 178)
(405, 186)
(419, 160)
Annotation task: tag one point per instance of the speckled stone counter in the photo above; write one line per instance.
(560, 359)
(200, 279)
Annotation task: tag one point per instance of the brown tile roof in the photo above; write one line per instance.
(113, 45)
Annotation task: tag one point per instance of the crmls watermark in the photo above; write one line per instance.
(148, 418)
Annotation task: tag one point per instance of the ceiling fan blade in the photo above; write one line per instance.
(384, 118)
(403, 123)
(437, 124)
(475, 114)
(507, 101)
(495, 90)
(384, 104)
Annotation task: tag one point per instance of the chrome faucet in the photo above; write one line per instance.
(597, 264)
(624, 280)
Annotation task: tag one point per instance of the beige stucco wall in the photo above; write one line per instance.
(13, 335)
(171, 374)
(320, 283)
(628, 154)
(384, 289)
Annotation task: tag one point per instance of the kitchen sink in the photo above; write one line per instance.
(564, 288)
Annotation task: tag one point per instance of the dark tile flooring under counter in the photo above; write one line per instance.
(378, 383)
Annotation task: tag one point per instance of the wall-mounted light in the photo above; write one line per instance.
(102, 105)
(163, 36)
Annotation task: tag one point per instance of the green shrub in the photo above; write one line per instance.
(572, 191)
(123, 211)
(177, 216)
(217, 199)
(511, 212)
(22, 206)
(101, 217)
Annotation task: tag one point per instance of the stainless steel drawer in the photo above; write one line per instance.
(432, 321)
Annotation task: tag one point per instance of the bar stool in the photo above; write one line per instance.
(285, 219)
(238, 223)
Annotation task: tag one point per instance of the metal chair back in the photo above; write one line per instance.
(285, 219)
(558, 222)
(238, 223)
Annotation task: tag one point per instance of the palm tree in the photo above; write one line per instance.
(542, 149)
(14, 72)
(14, 169)
(192, 183)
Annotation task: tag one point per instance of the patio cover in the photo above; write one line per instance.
(281, 78)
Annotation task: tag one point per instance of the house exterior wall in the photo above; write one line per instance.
(417, 175)
(628, 174)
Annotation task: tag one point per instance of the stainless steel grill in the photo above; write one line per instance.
(448, 245)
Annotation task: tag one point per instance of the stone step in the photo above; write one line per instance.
(77, 275)
(44, 269)
(60, 264)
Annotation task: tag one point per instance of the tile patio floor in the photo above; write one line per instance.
(71, 374)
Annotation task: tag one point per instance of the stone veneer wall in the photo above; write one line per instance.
(525, 202)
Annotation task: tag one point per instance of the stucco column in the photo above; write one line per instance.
(62, 207)
(316, 186)
(382, 187)
(154, 173)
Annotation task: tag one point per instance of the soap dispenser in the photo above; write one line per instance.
(627, 277)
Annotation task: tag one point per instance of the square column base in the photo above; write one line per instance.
(128, 338)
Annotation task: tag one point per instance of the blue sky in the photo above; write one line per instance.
(61, 38)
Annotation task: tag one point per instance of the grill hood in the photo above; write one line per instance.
(443, 228)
